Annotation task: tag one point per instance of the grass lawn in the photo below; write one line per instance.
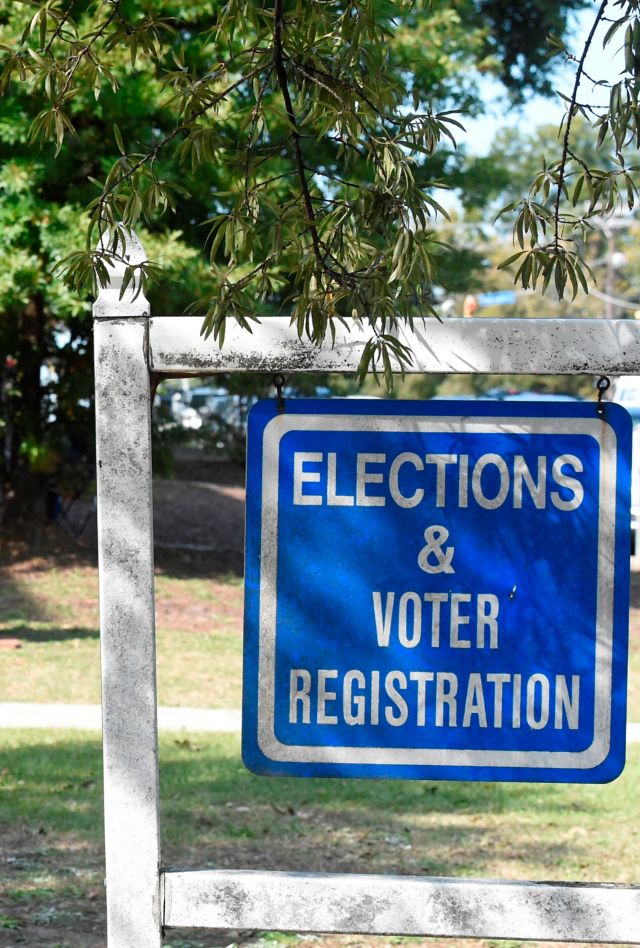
(217, 814)
(214, 813)
(54, 613)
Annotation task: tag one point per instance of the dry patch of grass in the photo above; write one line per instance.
(633, 696)
(54, 613)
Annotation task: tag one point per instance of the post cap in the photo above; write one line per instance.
(111, 303)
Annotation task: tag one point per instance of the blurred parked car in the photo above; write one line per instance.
(209, 401)
(626, 392)
(515, 395)
(509, 395)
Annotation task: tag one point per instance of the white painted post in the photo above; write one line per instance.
(500, 346)
(127, 627)
(401, 905)
(128, 345)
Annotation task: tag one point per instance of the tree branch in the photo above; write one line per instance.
(281, 72)
(77, 59)
(578, 161)
(317, 75)
(567, 131)
(251, 130)
(153, 154)
(56, 33)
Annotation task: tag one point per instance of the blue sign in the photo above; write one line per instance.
(437, 590)
(497, 298)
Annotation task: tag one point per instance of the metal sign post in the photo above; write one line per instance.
(143, 898)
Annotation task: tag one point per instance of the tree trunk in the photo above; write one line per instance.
(24, 487)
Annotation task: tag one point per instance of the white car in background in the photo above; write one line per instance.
(626, 392)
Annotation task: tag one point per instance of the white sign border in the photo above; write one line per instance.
(587, 759)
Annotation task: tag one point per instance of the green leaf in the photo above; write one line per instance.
(507, 263)
(118, 137)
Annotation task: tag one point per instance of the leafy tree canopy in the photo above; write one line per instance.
(275, 155)
(589, 173)
(300, 132)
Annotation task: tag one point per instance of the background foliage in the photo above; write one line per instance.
(275, 156)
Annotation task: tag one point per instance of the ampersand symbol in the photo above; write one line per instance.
(436, 537)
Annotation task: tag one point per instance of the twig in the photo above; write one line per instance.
(153, 154)
(567, 131)
(574, 59)
(58, 30)
(312, 73)
(251, 129)
(281, 72)
(335, 177)
(77, 59)
(579, 161)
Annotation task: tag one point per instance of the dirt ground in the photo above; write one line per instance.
(198, 523)
(198, 515)
(68, 911)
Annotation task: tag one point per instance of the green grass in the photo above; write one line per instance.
(199, 640)
(54, 614)
(212, 807)
(215, 813)
(193, 670)
(633, 694)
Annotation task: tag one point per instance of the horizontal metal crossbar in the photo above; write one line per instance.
(500, 346)
(401, 905)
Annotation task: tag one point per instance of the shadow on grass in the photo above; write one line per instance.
(222, 815)
(51, 783)
(17, 604)
(46, 632)
(216, 813)
(209, 771)
(40, 777)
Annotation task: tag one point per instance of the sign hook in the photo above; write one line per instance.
(602, 385)
(278, 381)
